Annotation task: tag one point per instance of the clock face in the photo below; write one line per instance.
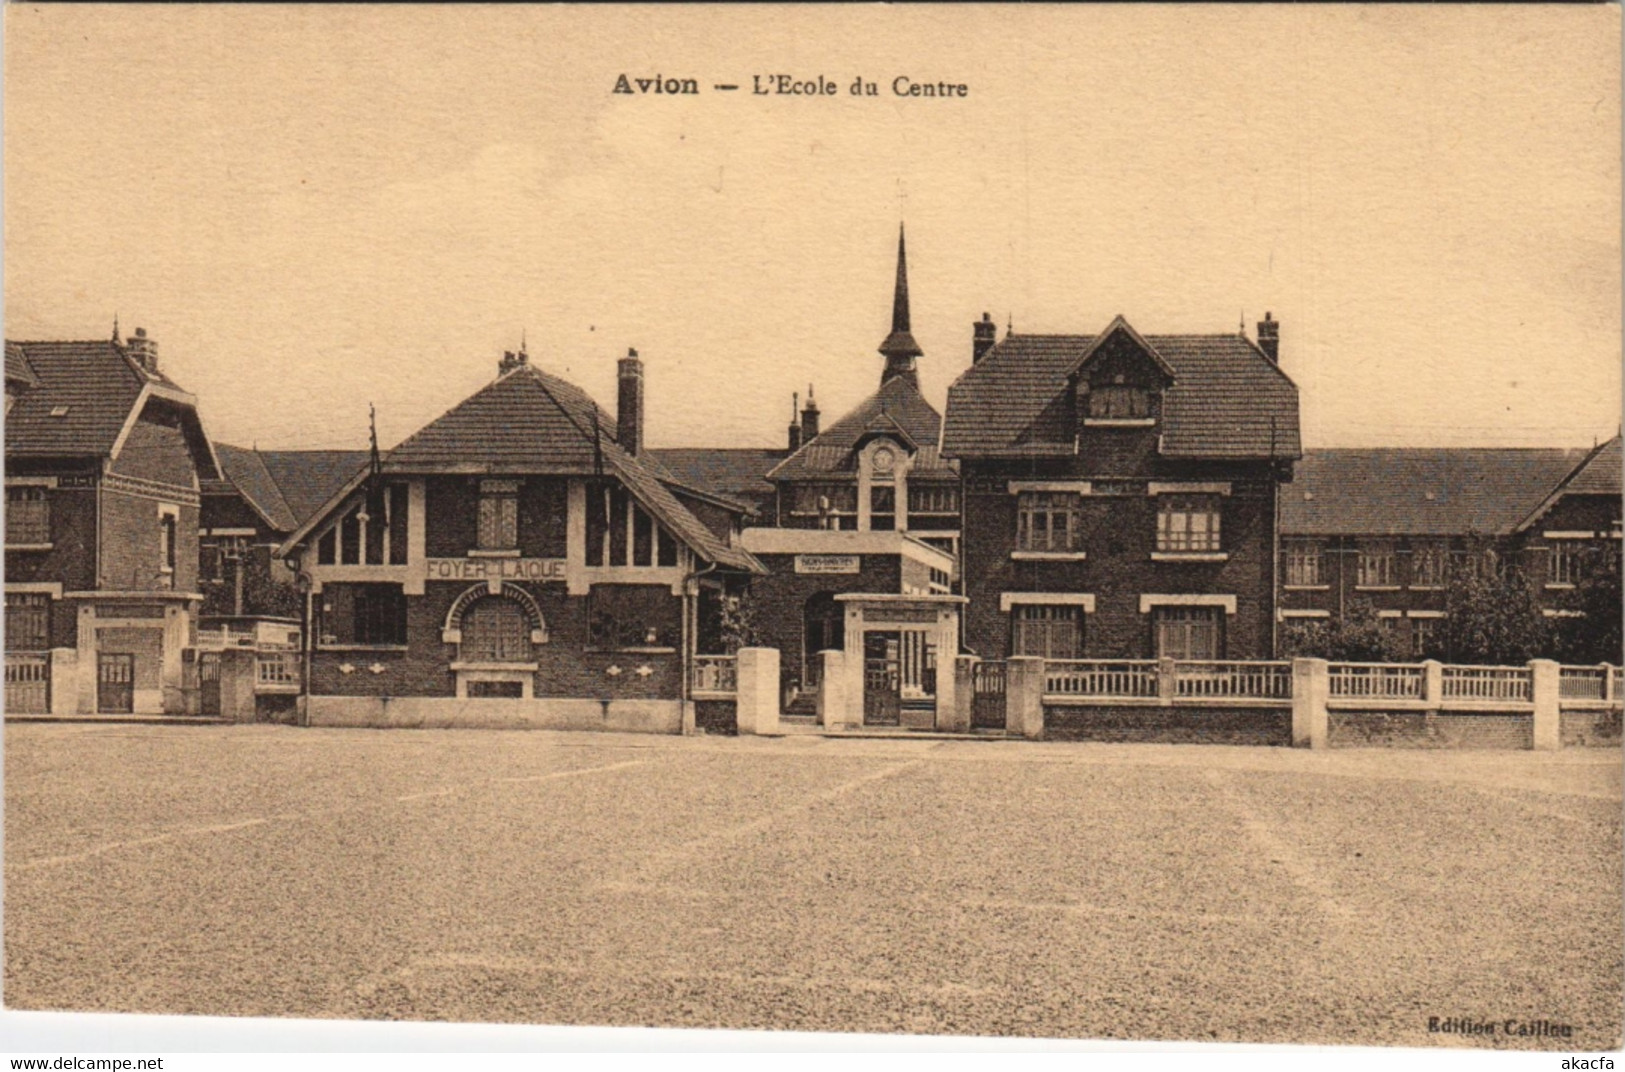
(885, 458)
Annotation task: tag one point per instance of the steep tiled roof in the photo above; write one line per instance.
(308, 478)
(17, 369)
(1597, 474)
(245, 471)
(528, 421)
(1419, 492)
(91, 381)
(737, 473)
(896, 407)
(1227, 400)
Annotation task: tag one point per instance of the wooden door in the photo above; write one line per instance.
(208, 681)
(115, 683)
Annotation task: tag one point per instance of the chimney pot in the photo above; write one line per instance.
(629, 403)
(809, 418)
(143, 349)
(794, 435)
(1269, 338)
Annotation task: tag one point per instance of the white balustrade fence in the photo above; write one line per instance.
(1233, 680)
(1130, 679)
(1376, 681)
(1498, 685)
(714, 676)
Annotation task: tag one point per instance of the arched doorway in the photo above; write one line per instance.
(823, 628)
(496, 629)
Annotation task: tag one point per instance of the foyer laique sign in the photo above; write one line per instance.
(537, 570)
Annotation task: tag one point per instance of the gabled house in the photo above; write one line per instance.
(104, 459)
(521, 560)
(1120, 492)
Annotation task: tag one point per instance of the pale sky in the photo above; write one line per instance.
(315, 208)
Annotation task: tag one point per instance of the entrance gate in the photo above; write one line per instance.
(28, 682)
(882, 680)
(208, 681)
(115, 683)
(987, 709)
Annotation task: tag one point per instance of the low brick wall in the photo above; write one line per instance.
(1429, 729)
(436, 712)
(1593, 728)
(716, 716)
(1169, 725)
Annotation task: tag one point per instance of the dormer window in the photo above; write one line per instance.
(1119, 402)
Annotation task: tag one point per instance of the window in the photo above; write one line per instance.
(28, 516)
(1116, 402)
(1303, 559)
(1047, 521)
(499, 515)
(1567, 562)
(496, 690)
(1428, 564)
(1046, 630)
(933, 499)
(1188, 523)
(363, 614)
(632, 616)
(166, 542)
(882, 508)
(622, 533)
(28, 621)
(836, 504)
(1374, 565)
(1187, 632)
(1424, 637)
(496, 630)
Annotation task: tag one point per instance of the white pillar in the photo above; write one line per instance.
(64, 681)
(833, 698)
(1433, 684)
(1544, 680)
(1311, 685)
(1024, 696)
(756, 696)
(957, 717)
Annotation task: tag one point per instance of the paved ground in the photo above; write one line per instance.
(1121, 891)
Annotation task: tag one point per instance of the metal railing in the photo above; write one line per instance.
(1486, 685)
(1232, 680)
(1101, 678)
(1375, 681)
(714, 675)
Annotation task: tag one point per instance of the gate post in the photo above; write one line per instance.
(1544, 686)
(956, 718)
(237, 670)
(756, 692)
(1311, 684)
(832, 697)
(64, 681)
(1024, 696)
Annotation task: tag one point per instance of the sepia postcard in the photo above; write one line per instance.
(938, 521)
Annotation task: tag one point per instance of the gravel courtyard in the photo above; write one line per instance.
(990, 888)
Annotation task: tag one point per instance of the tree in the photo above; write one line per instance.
(1357, 636)
(1491, 615)
(1593, 634)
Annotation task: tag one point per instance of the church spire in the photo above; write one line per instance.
(900, 348)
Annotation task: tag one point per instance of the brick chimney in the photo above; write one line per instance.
(143, 349)
(1269, 338)
(809, 418)
(794, 437)
(511, 360)
(629, 403)
(984, 333)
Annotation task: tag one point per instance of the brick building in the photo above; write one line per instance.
(104, 458)
(522, 560)
(1390, 527)
(1120, 492)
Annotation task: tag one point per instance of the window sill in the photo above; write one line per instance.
(361, 647)
(510, 553)
(506, 668)
(1427, 587)
(1049, 556)
(1119, 422)
(633, 651)
(1190, 556)
(1306, 588)
(1376, 588)
(1556, 586)
(29, 546)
